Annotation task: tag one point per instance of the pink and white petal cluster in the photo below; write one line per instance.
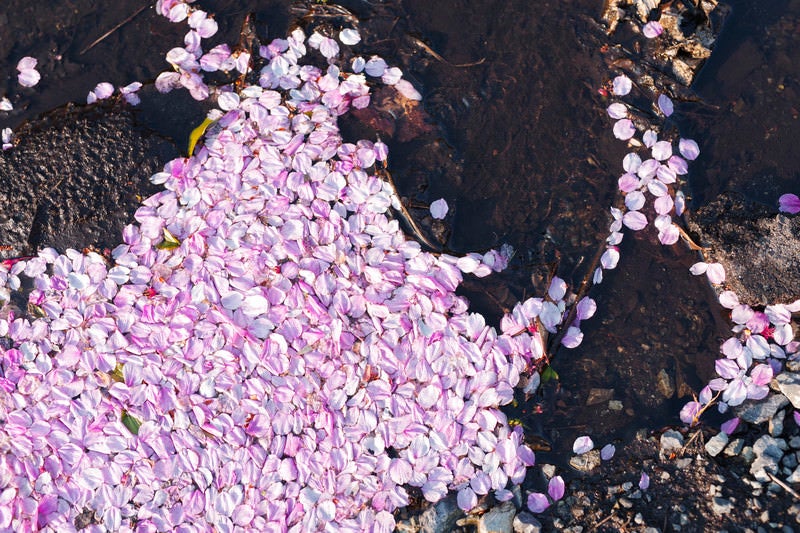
(266, 349)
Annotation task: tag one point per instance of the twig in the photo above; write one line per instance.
(783, 485)
(112, 30)
(601, 522)
(436, 55)
(691, 439)
(586, 284)
(405, 214)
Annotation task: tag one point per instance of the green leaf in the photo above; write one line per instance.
(36, 311)
(116, 374)
(130, 422)
(170, 241)
(548, 373)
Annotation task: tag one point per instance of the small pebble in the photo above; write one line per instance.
(734, 447)
(716, 444)
(525, 522)
(549, 470)
(721, 506)
(615, 405)
(671, 440)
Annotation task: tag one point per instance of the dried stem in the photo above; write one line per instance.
(112, 30)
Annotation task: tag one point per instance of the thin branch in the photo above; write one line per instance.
(783, 485)
(112, 30)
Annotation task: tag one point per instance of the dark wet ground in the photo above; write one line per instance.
(519, 145)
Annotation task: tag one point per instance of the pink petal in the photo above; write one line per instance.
(689, 412)
(688, 149)
(761, 374)
(556, 488)
(669, 235)
(634, 220)
(607, 452)
(716, 273)
(665, 105)
(29, 78)
(439, 208)
(617, 111)
(537, 502)
(467, 499)
(789, 203)
(624, 129)
(662, 150)
(582, 445)
(730, 426)
(652, 29)
(622, 85)
(349, 36)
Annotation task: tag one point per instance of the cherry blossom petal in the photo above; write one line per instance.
(635, 220)
(582, 445)
(789, 203)
(439, 208)
(537, 502)
(607, 452)
(624, 129)
(665, 105)
(688, 149)
(622, 85)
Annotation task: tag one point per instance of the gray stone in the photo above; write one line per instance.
(81, 196)
(757, 247)
(776, 424)
(525, 522)
(763, 464)
(716, 443)
(794, 442)
(789, 460)
(615, 405)
(721, 506)
(585, 462)
(747, 454)
(665, 384)
(499, 519)
(671, 440)
(795, 477)
(760, 411)
(599, 396)
(441, 517)
(548, 470)
(768, 445)
(735, 447)
(789, 385)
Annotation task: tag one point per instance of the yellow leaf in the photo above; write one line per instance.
(197, 133)
(169, 242)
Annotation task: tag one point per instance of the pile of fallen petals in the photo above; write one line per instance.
(762, 339)
(266, 351)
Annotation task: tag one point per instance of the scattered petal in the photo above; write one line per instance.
(789, 203)
(622, 85)
(665, 105)
(537, 502)
(607, 452)
(439, 208)
(582, 445)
